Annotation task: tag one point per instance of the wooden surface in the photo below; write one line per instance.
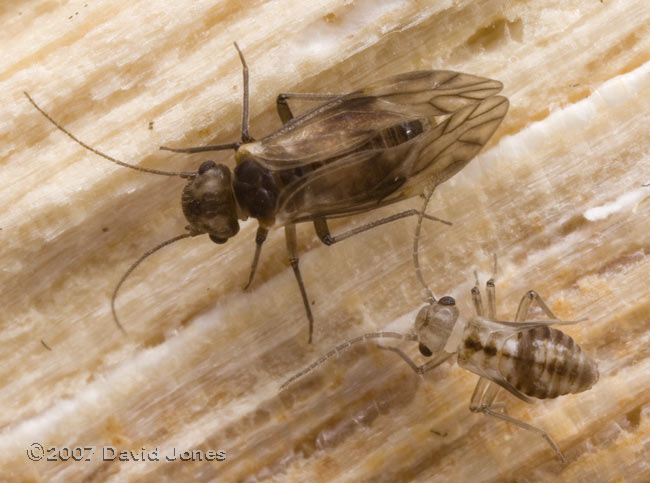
(557, 195)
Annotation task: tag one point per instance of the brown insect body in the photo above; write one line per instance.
(540, 362)
(366, 149)
(351, 154)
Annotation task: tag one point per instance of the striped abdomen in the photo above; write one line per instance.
(542, 362)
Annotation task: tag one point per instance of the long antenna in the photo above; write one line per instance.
(135, 265)
(416, 247)
(244, 121)
(340, 348)
(182, 174)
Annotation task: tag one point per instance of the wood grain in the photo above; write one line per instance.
(557, 195)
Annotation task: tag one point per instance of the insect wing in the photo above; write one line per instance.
(364, 180)
(454, 142)
(444, 90)
(346, 123)
(353, 184)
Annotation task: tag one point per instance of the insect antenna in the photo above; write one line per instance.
(345, 345)
(135, 264)
(416, 248)
(182, 174)
(244, 121)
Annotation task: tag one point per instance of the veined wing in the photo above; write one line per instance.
(347, 123)
(364, 180)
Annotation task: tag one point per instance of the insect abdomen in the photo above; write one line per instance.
(395, 135)
(545, 363)
(541, 362)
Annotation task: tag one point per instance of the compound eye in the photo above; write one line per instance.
(424, 350)
(207, 165)
(447, 300)
(217, 239)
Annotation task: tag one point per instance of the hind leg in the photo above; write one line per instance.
(483, 402)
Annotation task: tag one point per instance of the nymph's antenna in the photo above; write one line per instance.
(340, 348)
(416, 247)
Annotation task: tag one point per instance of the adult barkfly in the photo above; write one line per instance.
(350, 154)
(527, 358)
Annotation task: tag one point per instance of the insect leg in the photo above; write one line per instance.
(477, 395)
(485, 393)
(245, 137)
(476, 299)
(323, 231)
(284, 111)
(490, 289)
(482, 401)
(528, 427)
(201, 149)
(419, 370)
(292, 250)
(524, 306)
(491, 299)
(260, 237)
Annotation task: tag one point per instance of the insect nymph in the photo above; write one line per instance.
(350, 154)
(529, 359)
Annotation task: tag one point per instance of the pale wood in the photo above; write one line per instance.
(202, 362)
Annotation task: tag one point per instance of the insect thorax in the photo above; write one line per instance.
(256, 190)
(435, 322)
(266, 193)
(259, 190)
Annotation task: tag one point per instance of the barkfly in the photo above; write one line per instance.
(350, 154)
(527, 358)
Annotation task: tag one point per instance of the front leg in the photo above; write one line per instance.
(260, 237)
(292, 251)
